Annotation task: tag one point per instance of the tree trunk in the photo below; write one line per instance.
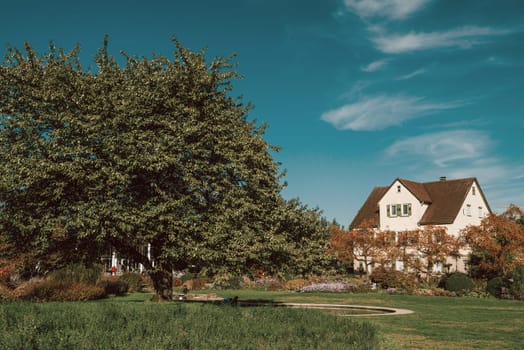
(163, 284)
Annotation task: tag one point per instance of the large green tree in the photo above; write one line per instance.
(155, 151)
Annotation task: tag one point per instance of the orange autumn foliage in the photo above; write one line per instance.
(500, 239)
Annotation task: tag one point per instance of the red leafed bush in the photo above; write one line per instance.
(49, 290)
(177, 282)
(390, 278)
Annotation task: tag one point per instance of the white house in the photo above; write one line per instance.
(408, 205)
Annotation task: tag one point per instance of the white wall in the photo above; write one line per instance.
(400, 223)
(475, 201)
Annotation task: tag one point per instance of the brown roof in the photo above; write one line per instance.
(444, 199)
(369, 210)
(417, 189)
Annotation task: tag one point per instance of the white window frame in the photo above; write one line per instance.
(468, 210)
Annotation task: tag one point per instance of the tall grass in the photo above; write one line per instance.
(144, 325)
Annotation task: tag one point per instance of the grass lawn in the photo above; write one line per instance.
(133, 322)
(438, 322)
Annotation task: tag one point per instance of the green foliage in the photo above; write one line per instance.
(303, 241)
(517, 286)
(459, 283)
(120, 325)
(77, 273)
(134, 281)
(227, 281)
(496, 286)
(155, 152)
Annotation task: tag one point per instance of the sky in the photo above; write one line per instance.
(357, 93)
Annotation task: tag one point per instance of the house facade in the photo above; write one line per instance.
(409, 205)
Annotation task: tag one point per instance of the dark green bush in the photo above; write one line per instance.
(114, 287)
(459, 283)
(496, 286)
(134, 281)
(517, 286)
(77, 273)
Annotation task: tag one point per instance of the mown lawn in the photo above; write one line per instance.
(438, 322)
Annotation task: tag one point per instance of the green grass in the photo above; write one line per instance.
(135, 323)
(438, 322)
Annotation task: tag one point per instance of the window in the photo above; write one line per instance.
(406, 209)
(398, 188)
(481, 213)
(468, 209)
(473, 190)
(394, 210)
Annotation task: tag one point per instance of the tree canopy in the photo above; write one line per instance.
(497, 243)
(156, 151)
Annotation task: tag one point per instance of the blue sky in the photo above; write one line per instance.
(356, 92)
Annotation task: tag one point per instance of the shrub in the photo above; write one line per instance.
(197, 283)
(497, 286)
(50, 290)
(6, 294)
(177, 282)
(268, 283)
(77, 273)
(227, 281)
(390, 278)
(329, 287)
(517, 287)
(187, 276)
(134, 281)
(113, 287)
(459, 283)
(294, 284)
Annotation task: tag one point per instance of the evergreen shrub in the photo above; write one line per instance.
(459, 283)
(113, 287)
(496, 286)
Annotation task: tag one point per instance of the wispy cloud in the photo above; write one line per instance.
(393, 9)
(460, 154)
(375, 66)
(443, 148)
(465, 37)
(381, 112)
(412, 74)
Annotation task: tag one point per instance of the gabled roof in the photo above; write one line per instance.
(444, 199)
(369, 210)
(417, 189)
(447, 196)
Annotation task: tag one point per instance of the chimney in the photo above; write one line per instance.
(442, 178)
